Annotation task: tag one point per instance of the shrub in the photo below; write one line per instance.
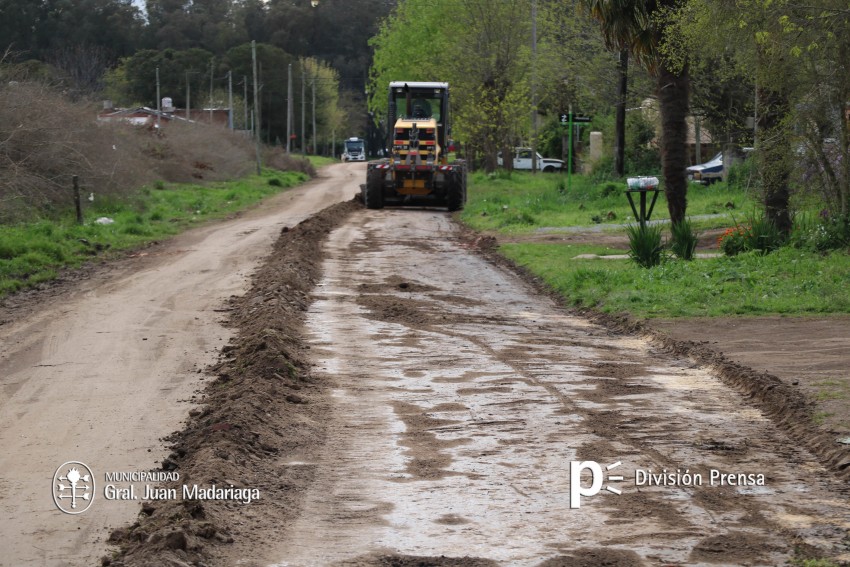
(645, 244)
(610, 188)
(518, 218)
(731, 242)
(823, 234)
(47, 139)
(684, 238)
(742, 175)
(760, 235)
(277, 158)
(763, 235)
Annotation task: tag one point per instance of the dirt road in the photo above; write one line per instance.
(460, 398)
(98, 374)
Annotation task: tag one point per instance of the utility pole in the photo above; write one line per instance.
(245, 103)
(230, 100)
(314, 113)
(188, 93)
(158, 101)
(534, 164)
(289, 128)
(303, 109)
(620, 113)
(211, 89)
(256, 114)
(698, 139)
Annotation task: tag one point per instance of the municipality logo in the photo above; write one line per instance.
(73, 487)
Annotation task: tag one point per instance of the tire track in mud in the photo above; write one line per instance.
(459, 398)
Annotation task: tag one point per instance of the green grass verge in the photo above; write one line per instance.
(33, 253)
(521, 202)
(321, 161)
(787, 281)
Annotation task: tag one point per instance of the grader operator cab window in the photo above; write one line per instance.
(424, 108)
(422, 105)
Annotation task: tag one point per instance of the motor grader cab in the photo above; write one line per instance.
(417, 171)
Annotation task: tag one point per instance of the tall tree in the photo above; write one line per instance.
(492, 78)
(792, 52)
(639, 26)
(39, 29)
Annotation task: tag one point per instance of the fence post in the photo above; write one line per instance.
(77, 203)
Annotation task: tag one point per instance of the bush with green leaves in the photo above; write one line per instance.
(743, 175)
(763, 235)
(684, 240)
(645, 246)
(760, 235)
(821, 234)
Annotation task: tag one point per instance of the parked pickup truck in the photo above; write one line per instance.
(522, 160)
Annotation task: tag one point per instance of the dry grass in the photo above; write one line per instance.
(184, 152)
(45, 140)
(276, 158)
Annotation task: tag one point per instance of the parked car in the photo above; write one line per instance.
(522, 160)
(712, 170)
(708, 172)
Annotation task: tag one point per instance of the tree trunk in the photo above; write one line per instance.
(774, 162)
(673, 93)
(620, 122)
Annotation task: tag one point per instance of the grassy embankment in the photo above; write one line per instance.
(787, 281)
(33, 252)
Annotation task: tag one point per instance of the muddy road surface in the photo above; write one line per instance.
(98, 374)
(459, 399)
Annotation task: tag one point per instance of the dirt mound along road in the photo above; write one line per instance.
(459, 398)
(97, 372)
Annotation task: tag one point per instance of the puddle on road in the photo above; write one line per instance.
(455, 422)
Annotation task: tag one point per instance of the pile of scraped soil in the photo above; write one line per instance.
(794, 409)
(261, 408)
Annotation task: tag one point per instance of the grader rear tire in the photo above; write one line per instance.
(374, 194)
(456, 191)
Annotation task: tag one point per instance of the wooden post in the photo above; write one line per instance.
(255, 114)
(77, 204)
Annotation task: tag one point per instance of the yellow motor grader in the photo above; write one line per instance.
(417, 170)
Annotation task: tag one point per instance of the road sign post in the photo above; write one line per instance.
(568, 119)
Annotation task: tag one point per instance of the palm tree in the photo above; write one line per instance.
(638, 26)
